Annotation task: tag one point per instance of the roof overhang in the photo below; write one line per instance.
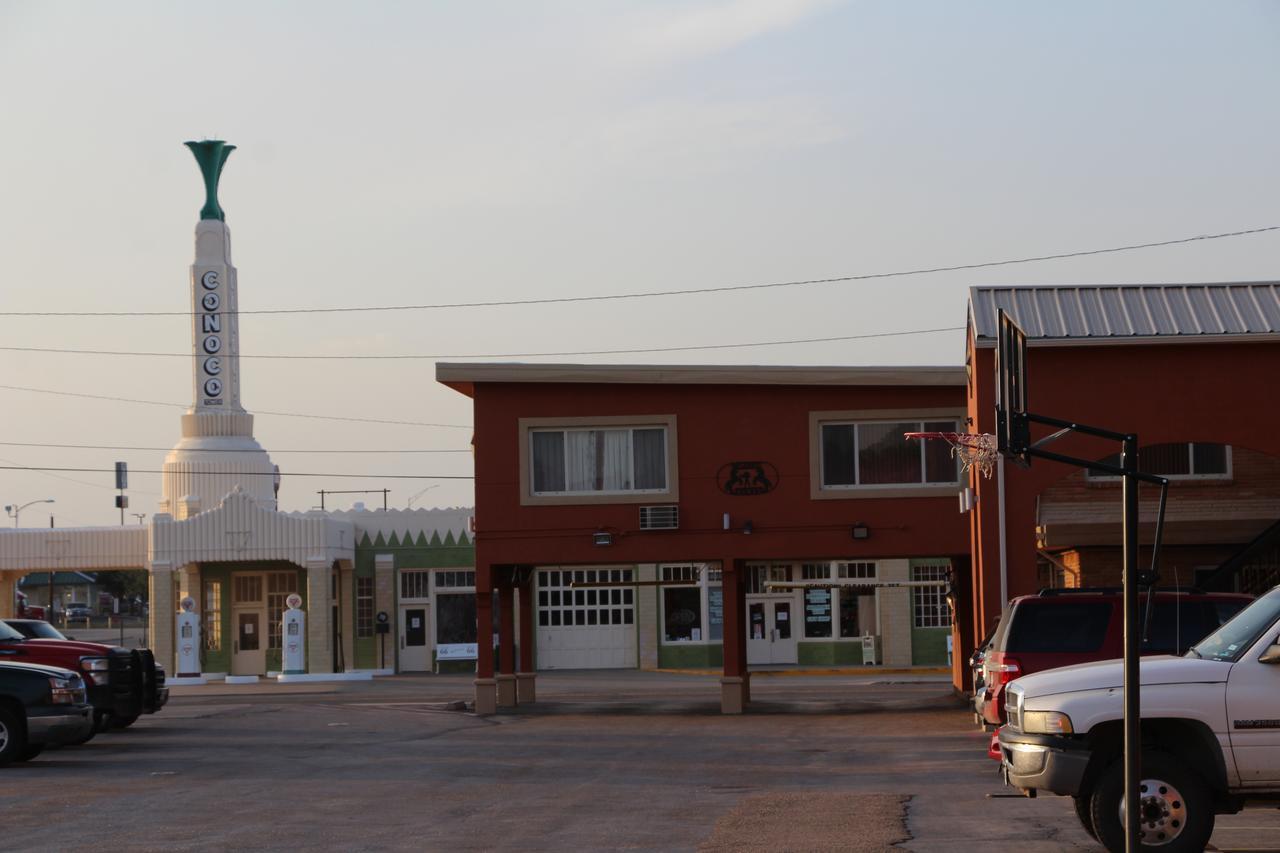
(464, 377)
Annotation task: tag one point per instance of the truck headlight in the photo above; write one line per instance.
(95, 664)
(66, 691)
(1046, 723)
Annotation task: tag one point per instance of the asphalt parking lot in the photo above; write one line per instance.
(604, 761)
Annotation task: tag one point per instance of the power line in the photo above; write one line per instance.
(205, 449)
(507, 354)
(82, 482)
(560, 300)
(40, 468)
(259, 412)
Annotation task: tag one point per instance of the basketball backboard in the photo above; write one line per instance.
(1013, 431)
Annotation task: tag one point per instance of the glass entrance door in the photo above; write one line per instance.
(771, 632)
(250, 657)
(415, 651)
(249, 622)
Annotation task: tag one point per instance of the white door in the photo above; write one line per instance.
(587, 627)
(771, 631)
(249, 624)
(1253, 700)
(415, 638)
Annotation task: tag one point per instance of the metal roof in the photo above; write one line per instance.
(467, 374)
(1129, 312)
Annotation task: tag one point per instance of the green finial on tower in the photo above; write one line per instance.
(211, 154)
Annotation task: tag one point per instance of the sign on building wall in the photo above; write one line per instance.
(209, 330)
(747, 478)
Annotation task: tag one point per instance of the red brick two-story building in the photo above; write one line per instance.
(638, 514)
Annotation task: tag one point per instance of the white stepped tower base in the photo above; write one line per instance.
(217, 452)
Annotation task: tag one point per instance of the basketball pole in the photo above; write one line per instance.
(1132, 648)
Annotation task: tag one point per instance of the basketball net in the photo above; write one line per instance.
(974, 450)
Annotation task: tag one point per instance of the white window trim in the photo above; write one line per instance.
(528, 497)
(819, 491)
(951, 616)
(1228, 475)
(437, 587)
(705, 585)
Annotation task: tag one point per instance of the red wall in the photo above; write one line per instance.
(1210, 392)
(715, 424)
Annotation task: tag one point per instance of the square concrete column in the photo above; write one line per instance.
(735, 685)
(319, 616)
(894, 604)
(160, 614)
(8, 594)
(347, 614)
(526, 691)
(485, 684)
(506, 643)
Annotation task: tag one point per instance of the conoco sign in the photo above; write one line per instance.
(747, 478)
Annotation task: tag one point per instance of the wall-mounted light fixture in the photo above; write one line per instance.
(726, 520)
(861, 531)
(602, 538)
(747, 527)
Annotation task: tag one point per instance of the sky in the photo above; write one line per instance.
(419, 153)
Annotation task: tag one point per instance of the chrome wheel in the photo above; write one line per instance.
(1162, 813)
(4, 735)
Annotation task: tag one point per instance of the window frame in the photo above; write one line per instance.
(1226, 476)
(710, 577)
(818, 490)
(364, 605)
(919, 594)
(528, 426)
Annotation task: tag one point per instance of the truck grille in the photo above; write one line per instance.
(1013, 708)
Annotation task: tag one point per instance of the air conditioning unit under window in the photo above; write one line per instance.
(666, 517)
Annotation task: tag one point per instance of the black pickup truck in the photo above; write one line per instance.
(40, 706)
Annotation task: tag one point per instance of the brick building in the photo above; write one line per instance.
(639, 515)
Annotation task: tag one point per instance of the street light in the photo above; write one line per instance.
(13, 509)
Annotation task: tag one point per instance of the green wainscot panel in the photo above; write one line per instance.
(691, 656)
(929, 646)
(829, 654)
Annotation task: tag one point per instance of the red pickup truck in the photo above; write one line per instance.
(122, 683)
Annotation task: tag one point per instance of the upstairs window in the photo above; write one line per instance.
(1182, 461)
(598, 461)
(875, 454)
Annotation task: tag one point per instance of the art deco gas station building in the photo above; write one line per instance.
(218, 537)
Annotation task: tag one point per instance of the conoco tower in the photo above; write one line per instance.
(217, 452)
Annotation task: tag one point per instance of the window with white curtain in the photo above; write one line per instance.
(598, 461)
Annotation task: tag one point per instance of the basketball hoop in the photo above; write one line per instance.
(974, 450)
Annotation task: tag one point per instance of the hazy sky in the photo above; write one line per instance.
(396, 153)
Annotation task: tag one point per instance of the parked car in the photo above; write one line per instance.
(78, 611)
(122, 683)
(40, 706)
(1064, 627)
(35, 629)
(1210, 737)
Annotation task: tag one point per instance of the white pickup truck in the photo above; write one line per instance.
(1210, 734)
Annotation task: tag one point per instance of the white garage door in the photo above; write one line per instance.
(586, 628)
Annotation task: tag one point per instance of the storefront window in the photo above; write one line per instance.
(279, 586)
(849, 613)
(683, 609)
(456, 619)
(211, 619)
(715, 613)
(692, 614)
(364, 607)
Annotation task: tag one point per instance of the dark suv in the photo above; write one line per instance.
(1061, 627)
